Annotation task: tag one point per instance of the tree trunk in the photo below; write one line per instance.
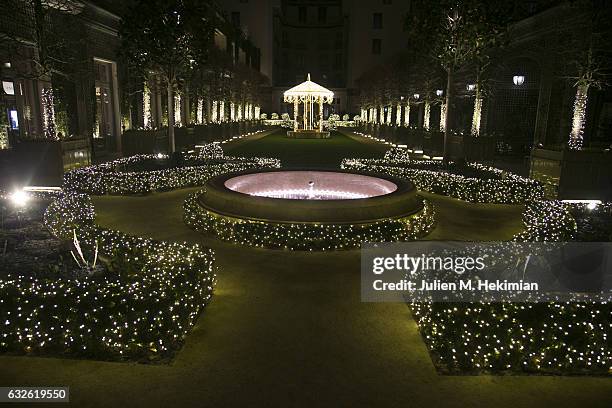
(186, 106)
(576, 139)
(158, 103)
(171, 145)
(208, 110)
(477, 112)
(449, 103)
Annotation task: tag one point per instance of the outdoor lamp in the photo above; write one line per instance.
(518, 80)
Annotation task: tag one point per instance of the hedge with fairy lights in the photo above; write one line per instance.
(305, 236)
(484, 184)
(543, 338)
(142, 311)
(115, 177)
(146, 306)
(546, 338)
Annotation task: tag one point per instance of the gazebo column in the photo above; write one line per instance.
(305, 113)
(312, 117)
(296, 107)
(320, 114)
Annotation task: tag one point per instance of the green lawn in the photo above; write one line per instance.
(288, 329)
(319, 153)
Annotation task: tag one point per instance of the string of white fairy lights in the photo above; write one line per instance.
(305, 236)
(150, 313)
(143, 309)
(549, 337)
(112, 178)
(488, 185)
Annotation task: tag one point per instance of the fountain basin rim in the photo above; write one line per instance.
(219, 199)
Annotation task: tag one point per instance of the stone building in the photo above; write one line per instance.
(60, 80)
(336, 41)
(63, 81)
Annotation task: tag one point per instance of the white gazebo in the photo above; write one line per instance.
(310, 94)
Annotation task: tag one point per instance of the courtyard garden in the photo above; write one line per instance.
(204, 313)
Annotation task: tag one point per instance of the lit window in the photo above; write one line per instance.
(518, 80)
(8, 87)
(14, 119)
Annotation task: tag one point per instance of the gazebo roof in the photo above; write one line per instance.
(309, 88)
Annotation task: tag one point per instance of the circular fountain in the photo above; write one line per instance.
(309, 196)
(308, 209)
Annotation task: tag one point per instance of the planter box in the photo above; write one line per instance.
(573, 174)
(144, 141)
(470, 148)
(75, 153)
(184, 138)
(37, 163)
(433, 143)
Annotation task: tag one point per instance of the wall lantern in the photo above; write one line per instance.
(416, 96)
(471, 87)
(518, 80)
(439, 92)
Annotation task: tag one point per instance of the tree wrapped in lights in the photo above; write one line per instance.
(457, 34)
(48, 113)
(177, 110)
(146, 107)
(590, 75)
(200, 111)
(170, 38)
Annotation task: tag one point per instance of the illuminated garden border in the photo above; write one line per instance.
(561, 338)
(144, 312)
(499, 187)
(109, 178)
(305, 236)
(544, 338)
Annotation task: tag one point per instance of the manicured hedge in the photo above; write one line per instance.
(305, 236)
(111, 178)
(142, 308)
(498, 187)
(545, 338)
